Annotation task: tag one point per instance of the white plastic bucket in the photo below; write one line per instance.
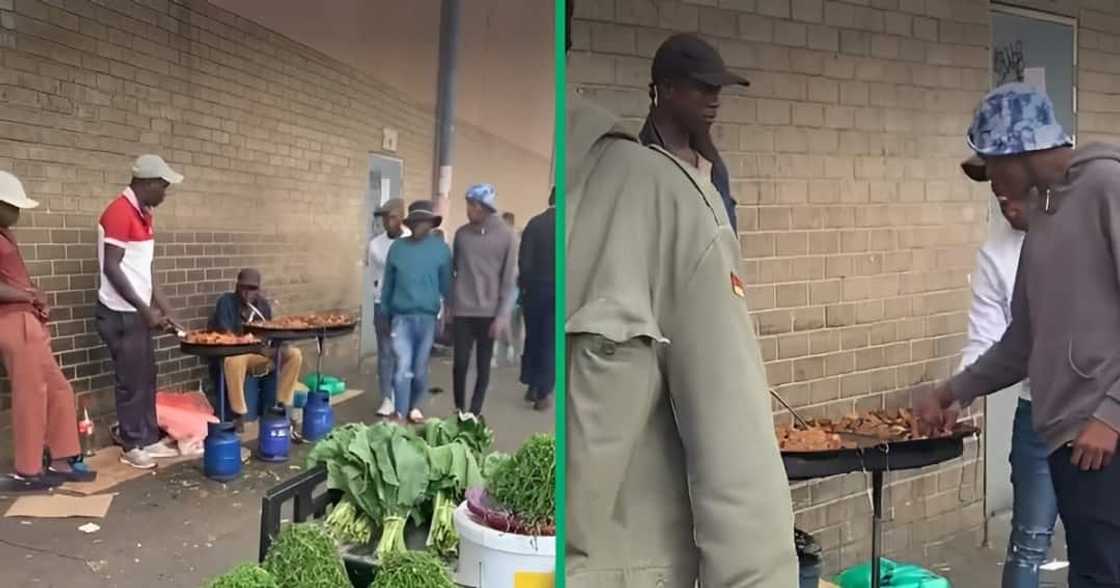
(493, 559)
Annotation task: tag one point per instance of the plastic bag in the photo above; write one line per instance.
(184, 415)
(892, 575)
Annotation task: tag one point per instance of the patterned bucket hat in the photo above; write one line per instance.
(484, 194)
(1014, 119)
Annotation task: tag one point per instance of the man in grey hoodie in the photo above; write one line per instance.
(1065, 316)
(484, 270)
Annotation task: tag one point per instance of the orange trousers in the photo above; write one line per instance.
(43, 413)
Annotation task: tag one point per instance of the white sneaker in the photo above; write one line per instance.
(137, 458)
(161, 450)
(387, 409)
(415, 415)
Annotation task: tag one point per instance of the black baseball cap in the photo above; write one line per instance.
(687, 56)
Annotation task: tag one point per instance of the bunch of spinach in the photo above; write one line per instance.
(453, 469)
(467, 429)
(384, 469)
(524, 485)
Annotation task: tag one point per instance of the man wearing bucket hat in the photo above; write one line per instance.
(688, 75)
(1065, 316)
(674, 471)
(484, 292)
(43, 414)
(417, 284)
(391, 217)
(1034, 508)
(130, 306)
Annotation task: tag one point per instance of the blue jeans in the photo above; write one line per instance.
(386, 357)
(412, 335)
(1034, 507)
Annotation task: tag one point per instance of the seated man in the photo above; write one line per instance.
(233, 310)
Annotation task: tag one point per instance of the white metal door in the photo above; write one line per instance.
(385, 175)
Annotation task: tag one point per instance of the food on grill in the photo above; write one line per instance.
(218, 338)
(828, 434)
(815, 439)
(893, 425)
(315, 320)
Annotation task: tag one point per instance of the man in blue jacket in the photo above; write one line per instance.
(417, 282)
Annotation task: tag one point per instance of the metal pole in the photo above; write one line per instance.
(445, 103)
(876, 524)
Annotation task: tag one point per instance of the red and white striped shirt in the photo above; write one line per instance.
(128, 225)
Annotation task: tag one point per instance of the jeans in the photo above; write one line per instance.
(1090, 510)
(471, 334)
(386, 357)
(538, 364)
(412, 343)
(1034, 508)
(133, 351)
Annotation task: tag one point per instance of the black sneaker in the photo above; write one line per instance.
(530, 395)
(543, 404)
(38, 483)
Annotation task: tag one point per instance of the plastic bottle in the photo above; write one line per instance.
(85, 433)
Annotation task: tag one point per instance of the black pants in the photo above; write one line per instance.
(538, 364)
(1089, 504)
(133, 352)
(471, 334)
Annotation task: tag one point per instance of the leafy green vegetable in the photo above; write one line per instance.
(305, 556)
(453, 469)
(467, 429)
(492, 463)
(524, 484)
(347, 524)
(246, 575)
(412, 569)
(384, 469)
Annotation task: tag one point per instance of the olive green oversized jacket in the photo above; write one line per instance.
(674, 474)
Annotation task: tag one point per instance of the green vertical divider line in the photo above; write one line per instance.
(560, 138)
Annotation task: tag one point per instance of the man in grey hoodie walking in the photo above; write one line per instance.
(1065, 316)
(483, 293)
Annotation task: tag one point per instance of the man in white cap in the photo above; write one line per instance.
(42, 400)
(130, 306)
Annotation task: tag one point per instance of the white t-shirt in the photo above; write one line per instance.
(376, 255)
(993, 283)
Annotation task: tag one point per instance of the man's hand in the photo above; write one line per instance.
(936, 411)
(39, 302)
(1095, 446)
(152, 317)
(498, 326)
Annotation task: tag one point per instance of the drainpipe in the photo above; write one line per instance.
(445, 103)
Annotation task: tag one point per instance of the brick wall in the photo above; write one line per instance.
(858, 229)
(273, 139)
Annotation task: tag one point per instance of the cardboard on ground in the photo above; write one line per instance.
(60, 506)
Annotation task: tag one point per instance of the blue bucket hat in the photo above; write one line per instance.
(1014, 119)
(484, 194)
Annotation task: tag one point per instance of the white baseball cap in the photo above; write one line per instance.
(11, 192)
(153, 166)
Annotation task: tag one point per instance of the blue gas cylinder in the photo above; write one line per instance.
(275, 437)
(221, 458)
(318, 416)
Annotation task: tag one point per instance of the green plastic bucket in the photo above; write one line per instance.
(332, 385)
